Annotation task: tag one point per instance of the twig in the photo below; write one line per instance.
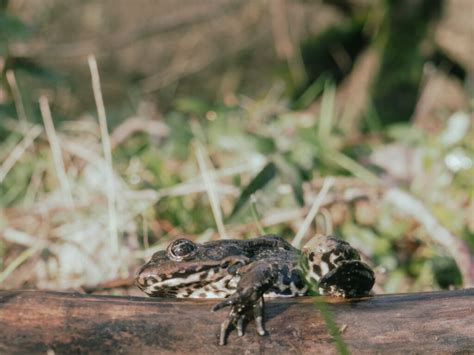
(352, 166)
(21, 238)
(19, 150)
(56, 151)
(208, 179)
(122, 282)
(137, 124)
(328, 182)
(197, 187)
(111, 197)
(34, 185)
(183, 189)
(453, 244)
(86, 154)
(20, 108)
(327, 228)
(249, 167)
(279, 216)
(20, 259)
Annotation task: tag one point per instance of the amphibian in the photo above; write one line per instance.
(243, 271)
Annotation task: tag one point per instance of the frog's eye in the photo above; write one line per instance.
(181, 249)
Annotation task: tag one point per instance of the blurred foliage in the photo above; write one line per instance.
(267, 155)
(398, 82)
(333, 52)
(27, 73)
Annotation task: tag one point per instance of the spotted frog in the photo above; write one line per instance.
(243, 272)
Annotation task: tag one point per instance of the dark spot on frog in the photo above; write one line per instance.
(213, 254)
(286, 274)
(326, 257)
(316, 269)
(297, 279)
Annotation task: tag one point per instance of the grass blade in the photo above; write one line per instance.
(208, 178)
(56, 151)
(111, 197)
(18, 151)
(327, 112)
(267, 174)
(290, 174)
(20, 259)
(313, 211)
(256, 216)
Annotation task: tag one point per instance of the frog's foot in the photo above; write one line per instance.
(256, 278)
(240, 306)
(351, 278)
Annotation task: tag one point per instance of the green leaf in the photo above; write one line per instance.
(310, 94)
(291, 175)
(268, 172)
(264, 145)
(405, 132)
(191, 105)
(327, 112)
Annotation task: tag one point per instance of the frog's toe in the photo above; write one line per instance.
(240, 326)
(222, 304)
(233, 318)
(258, 315)
(259, 324)
(240, 300)
(224, 327)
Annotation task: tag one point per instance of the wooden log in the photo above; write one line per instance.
(53, 322)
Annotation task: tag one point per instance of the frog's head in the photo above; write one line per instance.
(333, 267)
(187, 269)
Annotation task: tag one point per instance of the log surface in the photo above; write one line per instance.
(38, 322)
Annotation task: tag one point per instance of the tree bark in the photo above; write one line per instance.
(41, 322)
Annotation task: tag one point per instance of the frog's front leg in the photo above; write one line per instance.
(256, 279)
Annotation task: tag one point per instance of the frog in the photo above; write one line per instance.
(245, 272)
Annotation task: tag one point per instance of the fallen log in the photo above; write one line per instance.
(54, 322)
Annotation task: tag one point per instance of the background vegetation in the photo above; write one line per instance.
(125, 126)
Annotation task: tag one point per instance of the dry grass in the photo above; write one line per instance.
(88, 215)
(68, 247)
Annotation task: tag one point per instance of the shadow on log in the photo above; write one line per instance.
(38, 322)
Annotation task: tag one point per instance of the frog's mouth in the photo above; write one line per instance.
(211, 279)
